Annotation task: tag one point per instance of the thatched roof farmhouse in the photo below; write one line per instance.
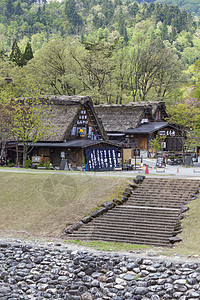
(137, 123)
(65, 114)
(76, 129)
(118, 118)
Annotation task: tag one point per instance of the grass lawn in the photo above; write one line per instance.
(190, 235)
(110, 246)
(44, 204)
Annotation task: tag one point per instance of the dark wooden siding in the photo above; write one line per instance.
(174, 144)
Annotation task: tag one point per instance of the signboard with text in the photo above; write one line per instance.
(168, 132)
(160, 161)
(101, 159)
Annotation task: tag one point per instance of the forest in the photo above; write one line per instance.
(116, 51)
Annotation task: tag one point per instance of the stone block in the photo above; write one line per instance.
(98, 212)
(175, 239)
(86, 220)
(108, 205)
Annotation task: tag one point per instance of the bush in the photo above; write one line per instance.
(47, 165)
(28, 163)
(11, 165)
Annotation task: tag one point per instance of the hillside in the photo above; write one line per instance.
(29, 20)
(115, 51)
(192, 6)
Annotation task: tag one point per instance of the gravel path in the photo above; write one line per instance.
(54, 270)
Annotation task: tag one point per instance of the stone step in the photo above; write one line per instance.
(95, 230)
(155, 191)
(133, 228)
(167, 189)
(152, 218)
(159, 196)
(124, 239)
(156, 199)
(149, 216)
(136, 222)
(164, 193)
(154, 203)
(135, 210)
(169, 186)
(170, 180)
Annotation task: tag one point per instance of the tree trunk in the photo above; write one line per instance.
(3, 145)
(17, 154)
(25, 150)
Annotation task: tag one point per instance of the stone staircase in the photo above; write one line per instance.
(150, 215)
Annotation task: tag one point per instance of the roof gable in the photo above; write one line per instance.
(65, 111)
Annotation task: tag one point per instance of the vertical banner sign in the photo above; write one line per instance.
(101, 159)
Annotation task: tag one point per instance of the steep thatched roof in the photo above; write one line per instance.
(118, 118)
(64, 111)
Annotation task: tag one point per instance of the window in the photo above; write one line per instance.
(73, 131)
(133, 142)
(158, 115)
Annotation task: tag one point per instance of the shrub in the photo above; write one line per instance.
(28, 163)
(47, 165)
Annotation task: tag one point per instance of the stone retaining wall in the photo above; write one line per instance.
(40, 272)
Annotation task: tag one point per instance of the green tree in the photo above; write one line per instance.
(197, 81)
(155, 144)
(4, 128)
(28, 53)
(18, 9)
(54, 68)
(27, 122)
(9, 8)
(97, 67)
(16, 54)
(71, 13)
(122, 27)
(3, 55)
(185, 116)
(133, 9)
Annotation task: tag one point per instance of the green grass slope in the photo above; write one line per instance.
(44, 204)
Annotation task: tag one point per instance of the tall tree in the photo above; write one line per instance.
(18, 9)
(54, 67)
(28, 53)
(71, 13)
(9, 8)
(97, 67)
(16, 54)
(122, 27)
